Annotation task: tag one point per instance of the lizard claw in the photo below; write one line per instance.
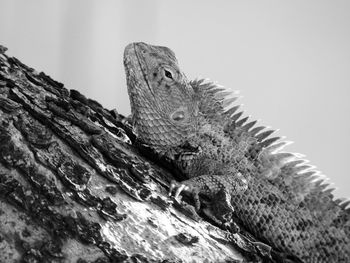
(179, 188)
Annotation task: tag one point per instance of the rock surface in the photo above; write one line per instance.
(75, 188)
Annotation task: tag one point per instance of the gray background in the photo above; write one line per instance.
(290, 59)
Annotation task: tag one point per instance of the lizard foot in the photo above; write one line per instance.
(184, 187)
(215, 187)
(178, 187)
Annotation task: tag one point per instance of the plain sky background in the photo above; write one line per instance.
(290, 59)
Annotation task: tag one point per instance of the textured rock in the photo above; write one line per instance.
(74, 188)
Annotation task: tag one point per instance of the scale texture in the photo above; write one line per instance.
(276, 196)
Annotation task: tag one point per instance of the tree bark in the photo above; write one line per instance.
(75, 187)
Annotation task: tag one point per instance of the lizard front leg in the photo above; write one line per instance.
(220, 189)
(211, 186)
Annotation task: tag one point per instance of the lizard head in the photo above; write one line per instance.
(163, 103)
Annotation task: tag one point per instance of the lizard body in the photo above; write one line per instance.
(275, 195)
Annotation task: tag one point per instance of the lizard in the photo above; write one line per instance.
(277, 196)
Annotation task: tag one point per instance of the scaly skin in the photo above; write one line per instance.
(277, 197)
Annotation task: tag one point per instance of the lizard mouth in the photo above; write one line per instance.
(135, 69)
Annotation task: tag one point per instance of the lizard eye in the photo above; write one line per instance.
(168, 74)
